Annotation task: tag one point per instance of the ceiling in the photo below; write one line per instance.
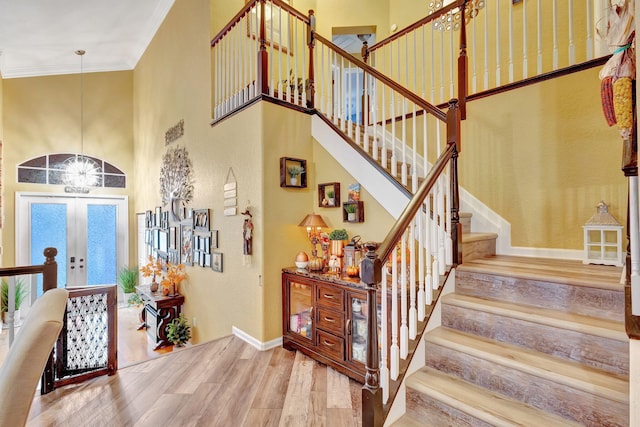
(39, 37)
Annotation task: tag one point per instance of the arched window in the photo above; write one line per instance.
(49, 169)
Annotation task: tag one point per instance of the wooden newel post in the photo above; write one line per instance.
(50, 273)
(371, 275)
(263, 56)
(311, 42)
(49, 281)
(453, 138)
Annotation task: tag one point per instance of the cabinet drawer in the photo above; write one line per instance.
(330, 296)
(330, 320)
(331, 344)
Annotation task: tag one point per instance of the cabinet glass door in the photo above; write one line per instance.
(358, 308)
(300, 309)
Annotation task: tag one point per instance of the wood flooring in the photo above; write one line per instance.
(222, 383)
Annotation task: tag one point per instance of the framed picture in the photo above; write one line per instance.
(293, 172)
(201, 219)
(186, 250)
(275, 26)
(173, 237)
(329, 195)
(163, 244)
(174, 257)
(207, 260)
(216, 261)
(148, 219)
(214, 239)
(157, 218)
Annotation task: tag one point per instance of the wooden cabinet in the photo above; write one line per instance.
(324, 316)
(157, 313)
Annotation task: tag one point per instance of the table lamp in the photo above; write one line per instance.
(314, 224)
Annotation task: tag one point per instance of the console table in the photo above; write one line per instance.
(157, 313)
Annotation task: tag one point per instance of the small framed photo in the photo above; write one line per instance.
(148, 219)
(216, 261)
(173, 237)
(207, 260)
(186, 249)
(157, 218)
(214, 239)
(201, 219)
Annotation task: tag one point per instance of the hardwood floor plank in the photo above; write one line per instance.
(275, 379)
(296, 404)
(163, 411)
(338, 394)
(261, 417)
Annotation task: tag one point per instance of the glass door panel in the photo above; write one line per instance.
(300, 309)
(49, 229)
(358, 308)
(101, 244)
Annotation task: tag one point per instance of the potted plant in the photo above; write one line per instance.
(351, 212)
(21, 294)
(331, 198)
(339, 238)
(127, 280)
(294, 171)
(179, 331)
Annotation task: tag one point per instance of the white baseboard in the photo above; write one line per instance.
(573, 254)
(262, 346)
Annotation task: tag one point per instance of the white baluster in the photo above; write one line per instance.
(590, 25)
(452, 62)
(441, 228)
(486, 50)
(511, 36)
(395, 349)
(394, 162)
(474, 56)
(442, 73)
(413, 312)
(421, 258)
(498, 24)
(448, 254)
(384, 365)
(555, 35)
(296, 90)
(383, 128)
(414, 161)
(572, 47)
(539, 21)
(428, 286)
(404, 140)
(525, 26)
(404, 329)
(433, 67)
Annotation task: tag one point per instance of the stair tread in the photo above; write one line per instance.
(578, 376)
(577, 322)
(408, 421)
(479, 402)
(551, 270)
(476, 236)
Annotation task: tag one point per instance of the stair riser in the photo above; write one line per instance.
(435, 413)
(478, 249)
(604, 353)
(559, 399)
(595, 302)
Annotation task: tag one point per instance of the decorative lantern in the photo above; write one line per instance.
(352, 253)
(603, 238)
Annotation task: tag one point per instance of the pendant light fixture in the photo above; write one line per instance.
(81, 172)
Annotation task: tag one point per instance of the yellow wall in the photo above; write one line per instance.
(2, 172)
(42, 115)
(543, 157)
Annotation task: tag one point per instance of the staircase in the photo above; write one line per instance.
(529, 342)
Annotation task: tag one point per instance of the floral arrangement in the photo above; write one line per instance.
(153, 268)
(172, 279)
(169, 279)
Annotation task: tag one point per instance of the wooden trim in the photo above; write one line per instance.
(540, 78)
(416, 99)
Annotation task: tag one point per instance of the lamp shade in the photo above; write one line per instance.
(313, 220)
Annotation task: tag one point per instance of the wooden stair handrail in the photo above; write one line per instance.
(438, 13)
(416, 99)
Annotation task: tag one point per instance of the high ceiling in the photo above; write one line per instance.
(39, 37)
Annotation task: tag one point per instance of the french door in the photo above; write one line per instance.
(90, 233)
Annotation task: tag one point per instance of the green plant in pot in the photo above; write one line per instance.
(21, 294)
(128, 279)
(294, 172)
(339, 238)
(351, 212)
(331, 197)
(179, 331)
